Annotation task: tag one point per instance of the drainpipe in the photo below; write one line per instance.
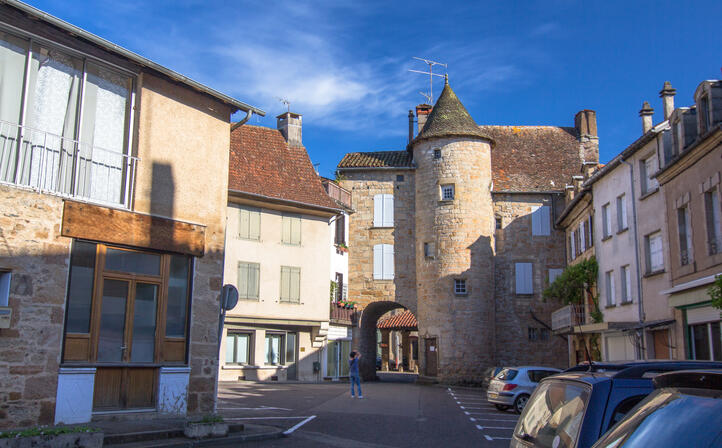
(249, 114)
(640, 332)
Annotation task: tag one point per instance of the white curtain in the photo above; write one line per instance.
(13, 52)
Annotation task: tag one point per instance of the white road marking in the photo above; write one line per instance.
(490, 439)
(298, 425)
(472, 419)
(466, 413)
(493, 427)
(262, 408)
(261, 418)
(479, 427)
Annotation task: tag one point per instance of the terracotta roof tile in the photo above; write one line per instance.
(378, 159)
(401, 321)
(262, 163)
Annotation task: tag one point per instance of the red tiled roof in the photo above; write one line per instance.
(533, 158)
(262, 163)
(401, 321)
(377, 159)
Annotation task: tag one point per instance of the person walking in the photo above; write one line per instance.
(353, 372)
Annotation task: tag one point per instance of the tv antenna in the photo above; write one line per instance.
(430, 96)
(286, 103)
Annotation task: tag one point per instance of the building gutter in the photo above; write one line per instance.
(367, 168)
(117, 49)
(289, 202)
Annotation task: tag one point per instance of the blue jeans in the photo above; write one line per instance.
(355, 379)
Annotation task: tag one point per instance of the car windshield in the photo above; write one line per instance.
(670, 417)
(553, 416)
(507, 374)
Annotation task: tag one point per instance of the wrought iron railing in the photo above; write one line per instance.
(62, 166)
(567, 317)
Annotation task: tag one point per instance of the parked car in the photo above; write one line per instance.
(512, 386)
(489, 375)
(574, 408)
(684, 410)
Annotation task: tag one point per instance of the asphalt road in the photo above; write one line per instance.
(390, 415)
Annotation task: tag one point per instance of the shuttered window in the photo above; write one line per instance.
(654, 252)
(248, 280)
(625, 277)
(572, 245)
(524, 278)
(554, 273)
(540, 220)
(383, 262)
(290, 284)
(249, 227)
(340, 230)
(606, 221)
(383, 210)
(291, 230)
(621, 213)
(582, 237)
(609, 285)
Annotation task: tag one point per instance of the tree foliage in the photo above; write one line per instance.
(576, 282)
(715, 292)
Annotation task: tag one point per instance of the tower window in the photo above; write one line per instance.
(429, 250)
(460, 286)
(437, 153)
(447, 192)
(399, 178)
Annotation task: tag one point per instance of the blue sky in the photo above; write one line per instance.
(344, 65)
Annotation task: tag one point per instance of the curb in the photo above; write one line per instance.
(182, 442)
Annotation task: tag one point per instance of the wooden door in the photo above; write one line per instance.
(661, 344)
(431, 357)
(124, 388)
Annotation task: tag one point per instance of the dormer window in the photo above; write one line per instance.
(704, 118)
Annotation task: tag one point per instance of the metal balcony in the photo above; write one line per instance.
(567, 317)
(61, 166)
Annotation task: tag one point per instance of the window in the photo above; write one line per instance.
(5, 278)
(249, 227)
(533, 336)
(429, 250)
(399, 178)
(573, 245)
(447, 192)
(590, 226)
(460, 286)
(48, 155)
(712, 215)
(626, 284)
(653, 252)
(609, 286)
(437, 153)
(582, 237)
(238, 348)
(524, 278)
(499, 223)
(606, 221)
(248, 280)
(384, 262)
(291, 230)
(706, 341)
(685, 235)
(540, 220)
(648, 167)
(554, 273)
(275, 349)
(621, 213)
(340, 237)
(290, 284)
(383, 210)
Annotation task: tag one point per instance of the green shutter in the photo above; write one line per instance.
(296, 231)
(243, 280)
(254, 225)
(243, 227)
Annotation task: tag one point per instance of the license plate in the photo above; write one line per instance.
(493, 395)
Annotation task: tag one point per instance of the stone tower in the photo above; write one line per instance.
(454, 243)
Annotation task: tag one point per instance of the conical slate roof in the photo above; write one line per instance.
(449, 118)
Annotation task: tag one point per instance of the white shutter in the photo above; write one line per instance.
(524, 278)
(254, 225)
(536, 220)
(243, 280)
(545, 218)
(230, 349)
(378, 262)
(573, 246)
(627, 283)
(582, 237)
(388, 219)
(624, 211)
(285, 283)
(528, 279)
(378, 210)
(285, 229)
(243, 225)
(656, 258)
(295, 230)
(253, 277)
(388, 261)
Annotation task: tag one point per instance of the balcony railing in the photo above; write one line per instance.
(61, 166)
(342, 314)
(337, 193)
(339, 294)
(567, 317)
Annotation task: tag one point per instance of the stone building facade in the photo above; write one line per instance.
(472, 236)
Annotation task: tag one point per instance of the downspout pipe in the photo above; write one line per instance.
(249, 114)
(640, 302)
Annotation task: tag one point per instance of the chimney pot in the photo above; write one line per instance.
(290, 126)
(586, 123)
(422, 113)
(646, 113)
(411, 125)
(667, 94)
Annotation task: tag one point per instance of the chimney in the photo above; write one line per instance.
(289, 124)
(411, 125)
(646, 113)
(569, 193)
(588, 169)
(667, 94)
(422, 113)
(586, 123)
(577, 183)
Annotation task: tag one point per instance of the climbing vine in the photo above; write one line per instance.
(574, 283)
(715, 292)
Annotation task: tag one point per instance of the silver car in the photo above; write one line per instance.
(513, 385)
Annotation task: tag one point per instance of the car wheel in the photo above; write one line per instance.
(501, 407)
(520, 402)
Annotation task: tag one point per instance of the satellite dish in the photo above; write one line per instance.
(229, 297)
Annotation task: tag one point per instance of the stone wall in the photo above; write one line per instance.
(32, 249)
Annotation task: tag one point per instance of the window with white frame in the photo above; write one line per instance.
(383, 210)
(5, 277)
(460, 286)
(706, 341)
(621, 212)
(685, 235)
(384, 262)
(249, 226)
(712, 216)
(582, 237)
(609, 286)
(626, 279)
(554, 273)
(654, 252)
(290, 284)
(648, 167)
(275, 349)
(238, 348)
(248, 280)
(447, 192)
(291, 230)
(524, 284)
(540, 220)
(606, 221)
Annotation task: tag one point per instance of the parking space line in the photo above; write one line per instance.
(493, 427)
(491, 439)
(290, 430)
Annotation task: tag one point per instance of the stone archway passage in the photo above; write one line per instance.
(367, 343)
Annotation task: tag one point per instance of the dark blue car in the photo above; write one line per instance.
(574, 408)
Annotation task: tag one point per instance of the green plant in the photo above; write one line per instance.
(715, 292)
(333, 289)
(576, 282)
(210, 418)
(46, 431)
